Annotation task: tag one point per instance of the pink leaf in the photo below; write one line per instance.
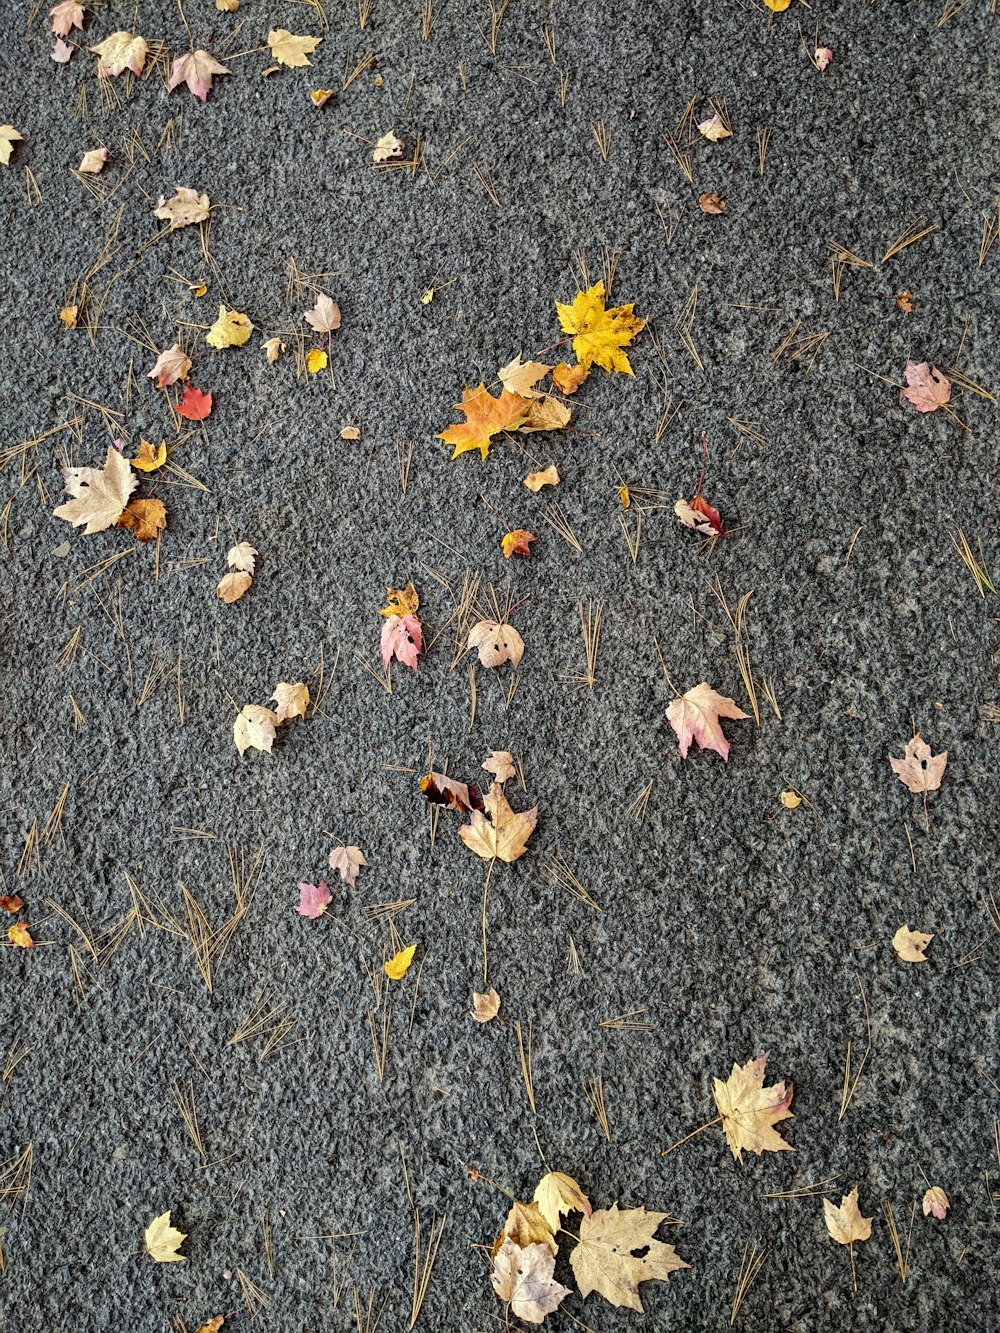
(928, 389)
(313, 899)
(402, 638)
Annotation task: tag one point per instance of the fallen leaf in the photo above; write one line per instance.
(695, 716)
(790, 800)
(316, 359)
(8, 137)
(520, 377)
(145, 519)
(92, 163)
(242, 556)
(213, 1325)
(120, 51)
(231, 329)
(557, 1193)
(500, 833)
(99, 494)
(845, 1224)
(196, 70)
(485, 1007)
(20, 936)
(777, 6)
(184, 209)
(516, 542)
(347, 861)
(61, 53)
(398, 965)
(69, 315)
(324, 317)
(496, 643)
(402, 639)
(350, 433)
(927, 388)
(568, 379)
(905, 302)
(536, 480)
(314, 899)
(254, 728)
(910, 944)
(442, 790)
(919, 769)
(387, 147)
(401, 601)
(714, 128)
(194, 405)
(526, 1226)
(226, 7)
(321, 96)
(750, 1111)
(149, 459)
(290, 50)
(163, 1241)
(486, 417)
(700, 515)
(523, 1278)
(625, 496)
(546, 413)
(936, 1202)
(172, 364)
(501, 764)
(11, 902)
(273, 347)
(291, 699)
(66, 15)
(599, 335)
(617, 1251)
(711, 203)
(822, 57)
(233, 585)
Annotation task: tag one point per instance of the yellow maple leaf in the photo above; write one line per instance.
(231, 329)
(149, 459)
(526, 1225)
(401, 601)
(398, 965)
(163, 1241)
(599, 335)
(749, 1110)
(316, 360)
(291, 50)
(69, 315)
(486, 417)
(557, 1193)
(20, 936)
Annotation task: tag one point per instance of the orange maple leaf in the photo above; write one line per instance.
(146, 518)
(516, 542)
(486, 416)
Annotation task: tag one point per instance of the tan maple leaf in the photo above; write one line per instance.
(910, 944)
(172, 364)
(324, 317)
(918, 768)
(92, 163)
(936, 1202)
(120, 51)
(347, 861)
(501, 764)
(750, 1111)
(8, 137)
(196, 69)
(66, 15)
(695, 716)
(618, 1250)
(146, 519)
(525, 1226)
(387, 147)
(99, 494)
(243, 557)
(291, 699)
(520, 377)
(163, 1241)
(557, 1193)
(500, 834)
(290, 50)
(254, 728)
(523, 1278)
(536, 480)
(485, 1007)
(845, 1223)
(546, 413)
(233, 585)
(496, 643)
(714, 128)
(185, 208)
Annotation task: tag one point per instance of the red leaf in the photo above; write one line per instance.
(195, 405)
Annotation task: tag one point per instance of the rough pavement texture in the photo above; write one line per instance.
(732, 925)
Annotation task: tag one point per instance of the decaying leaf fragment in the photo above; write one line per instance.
(750, 1111)
(936, 1203)
(231, 329)
(19, 935)
(556, 1194)
(927, 388)
(486, 417)
(920, 770)
(536, 480)
(92, 163)
(516, 542)
(568, 379)
(196, 69)
(485, 1007)
(119, 52)
(496, 643)
(523, 1278)
(501, 764)
(273, 347)
(184, 209)
(347, 861)
(696, 716)
(711, 203)
(618, 1250)
(714, 128)
(500, 833)
(546, 413)
(8, 137)
(910, 945)
(387, 147)
(453, 795)
(699, 515)
(600, 336)
(290, 50)
(99, 494)
(163, 1241)
(822, 58)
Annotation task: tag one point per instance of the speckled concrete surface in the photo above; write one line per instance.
(733, 925)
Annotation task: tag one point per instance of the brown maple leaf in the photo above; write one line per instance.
(145, 518)
(918, 768)
(749, 1110)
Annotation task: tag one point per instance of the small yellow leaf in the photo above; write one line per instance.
(777, 6)
(291, 50)
(321, 96)
(20, 936)
(163, 1240)
(911, 944)
(351, 433)
(316, 360)
(625, 495)
(398, 965)
(536, 480)
(69, 314)
(149, 459)
(427, 297)
(791, 800)
(231, 329)
(199, 290)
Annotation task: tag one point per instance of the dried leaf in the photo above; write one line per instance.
(526, 1226)
(120, 51)
(517, 543)
(92, 163)
(231, 329)
(501, 764)
(486, 417)
(163, 1241)
(749, 1111)
(254, 728)
(273, 347)
(398, 965)
(401, 601)
(524, 1279)
(11, 902)
(8, 137)
(149, 459)
(536, 480)
(20, 935)
(496, 643)
(546, 413)
(347, 861)
(65, 16)
(696, 716)
(791, 800)
(213, 1325)
(568, 379)
(936, 1202)
(290, 50)
(321, 96)
(599, 335)
(194, 405)
(557, 1193)
(845, 1224)
(242, 556)
(350, 433)
(711, 203)
(146, 519)
(316, 360)
(69, 315)
(822, 57)
(700, 515)
(617, 1251)
(291, 699)
(777, 6)
(184, 209)
(714, 128)
(314, 899)
(99, 494)
(233, 585)
(387, 147)
(500, 833)
(927, 387)
(919, 769)
(196, 70)
(485, 1007)
(402, 639)
(442, 790)
(520, 377)
(172, 364)
(905, 302)
(910, 944)
(61, 53)
(324, 317)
